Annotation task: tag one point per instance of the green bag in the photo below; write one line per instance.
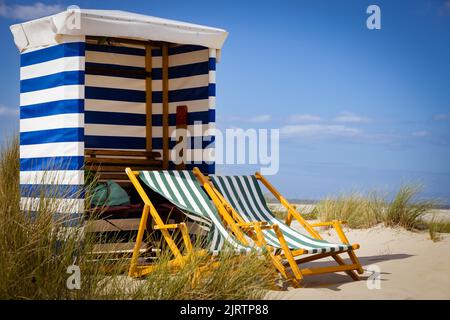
(109, 194)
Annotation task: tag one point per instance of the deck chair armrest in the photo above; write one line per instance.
(167, 226)
(252, 224)
(256, 228)
(337, 225)
(184, 232)
(261, 225)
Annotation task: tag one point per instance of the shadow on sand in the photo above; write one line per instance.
(333, 281)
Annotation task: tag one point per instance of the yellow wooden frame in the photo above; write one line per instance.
(336, 224)
(136, 270)
(254, 230)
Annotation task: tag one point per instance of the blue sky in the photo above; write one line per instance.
(358, 109)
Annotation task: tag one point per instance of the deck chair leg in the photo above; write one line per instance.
(351, 273)
(149, 208)
(351, 253)
(355, 260)
(261, 242)
(139, 237)
(288, 254)
(186, 238)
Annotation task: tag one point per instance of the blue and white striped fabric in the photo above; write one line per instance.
(63, 110)
(52, 126)
(115, 106)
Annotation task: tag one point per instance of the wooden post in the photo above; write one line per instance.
(181, 124)
(165, 107)
(148, 98)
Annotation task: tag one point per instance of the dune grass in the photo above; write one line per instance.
(359, 211)
(282, 214)
(436, 228)
(36, 250)
(234, 277)
(367, 211)
(404, 211)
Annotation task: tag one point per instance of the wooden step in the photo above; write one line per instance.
(112, 169)
(116, 176)
(132, 224)
(116, 248)
(111, 225)
(127, 161)
(125, 153)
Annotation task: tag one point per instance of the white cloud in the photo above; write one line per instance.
(295, 118)
(28, 11)
(260, 118)
(4, 111)
(422, 133)
(348, 117)
(318, 131)
(442, 117)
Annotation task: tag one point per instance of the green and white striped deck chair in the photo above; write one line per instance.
(244, 195)
(182, 189)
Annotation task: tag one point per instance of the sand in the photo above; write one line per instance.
(411, 267)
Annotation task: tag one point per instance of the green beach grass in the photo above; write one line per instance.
(365, 211)
(36, 250)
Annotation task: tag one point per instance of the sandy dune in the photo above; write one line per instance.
(437, 214)
(411, 267)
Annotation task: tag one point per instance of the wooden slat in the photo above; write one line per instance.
(109, 225)
(148, 98)
(127, 153)
(165, 116)
(126, 247)
(104, 168)
(124, 161)
(113, 176)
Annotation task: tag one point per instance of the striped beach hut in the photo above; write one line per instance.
(110, 88)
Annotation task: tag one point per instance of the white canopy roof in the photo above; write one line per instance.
(113, 23)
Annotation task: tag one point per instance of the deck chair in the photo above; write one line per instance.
(182, 189)
(245, 203)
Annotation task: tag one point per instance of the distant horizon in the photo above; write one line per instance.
(357, 109)
(295, 201)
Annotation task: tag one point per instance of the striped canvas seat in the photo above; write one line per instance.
(182, 189)
(244, 194)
